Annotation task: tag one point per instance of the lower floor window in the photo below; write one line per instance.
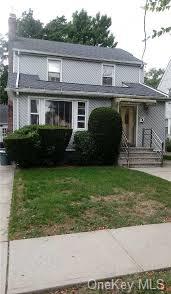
(34, 119)
(58, 113)
(69, 114)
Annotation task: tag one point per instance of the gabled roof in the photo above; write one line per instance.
(32, 83)
(165, 83)
(74, 50)
(3, 114)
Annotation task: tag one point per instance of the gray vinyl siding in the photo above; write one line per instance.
(125, 73)
(73, 71)
(33, 65)
(14, 113)
(154, 117)
(81, 72)
(23, 114)
(96, 103)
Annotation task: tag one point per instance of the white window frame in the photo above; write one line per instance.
(85, 116)
(34, 113)
(54, 59)
(113, 73)
(74, 101)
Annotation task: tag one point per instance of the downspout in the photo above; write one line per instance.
(17, 93)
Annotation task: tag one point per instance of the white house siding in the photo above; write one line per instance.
(154, 117)
(125, 73)
(164, 86)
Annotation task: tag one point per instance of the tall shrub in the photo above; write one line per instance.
(105, 125)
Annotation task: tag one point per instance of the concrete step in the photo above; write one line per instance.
(140, 155)
(142, 164)
(140, 160)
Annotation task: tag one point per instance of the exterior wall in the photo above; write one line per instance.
(73, 71)
(154, 117)
(165, 83)
(81, 72)
(125, 73)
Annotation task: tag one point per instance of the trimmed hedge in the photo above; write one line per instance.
(53, 142)
(168, 145)
(37, 145)
(105, 125)
(84, 147)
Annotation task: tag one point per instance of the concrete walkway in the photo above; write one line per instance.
(6, 183)
(49, 262)
(161, 172)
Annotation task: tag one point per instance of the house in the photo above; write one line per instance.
(165, 86)
(3, 121)
(61, 83)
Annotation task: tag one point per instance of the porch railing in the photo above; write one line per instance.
(152, 140)
(125, 146)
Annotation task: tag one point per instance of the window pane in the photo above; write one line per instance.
(34, 106)
(107, 81)
(81, 118)
(54, 66)
(81, 111)
(81, 125)
(58, 113)
(107, 71)
(34, 119)
(54, 77)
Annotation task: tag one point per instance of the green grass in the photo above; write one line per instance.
(151, 277)
(63, 200)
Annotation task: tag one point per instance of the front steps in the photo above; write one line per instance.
(140, 157)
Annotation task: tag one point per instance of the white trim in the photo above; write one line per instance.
(18, 69)
(139, 75)
(136, 131)
(17, 113)
(55, 59)
(160, 92)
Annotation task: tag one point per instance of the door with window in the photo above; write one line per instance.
(128, 115)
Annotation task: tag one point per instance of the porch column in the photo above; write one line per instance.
(115, 104)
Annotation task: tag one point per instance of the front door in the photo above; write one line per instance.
(128, 115)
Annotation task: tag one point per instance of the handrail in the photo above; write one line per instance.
(125, 146)
(155, 141)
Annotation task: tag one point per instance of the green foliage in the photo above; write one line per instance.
(53, 142)
(3, 84)
(37, 145)
(28, 26)
(153, 77)
(57, 30)
(168, 145)
(84, 147)
(159, 6)
(105, 125)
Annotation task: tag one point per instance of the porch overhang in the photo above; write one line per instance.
(136, 100)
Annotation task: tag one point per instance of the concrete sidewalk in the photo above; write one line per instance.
(49, 262)
(6, 184)
(161, 172)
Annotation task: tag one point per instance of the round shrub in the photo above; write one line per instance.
(84, 147)
(53, 142)
(105, 125)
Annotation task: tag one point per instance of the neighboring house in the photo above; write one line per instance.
(165, 86)
(60, 84)
(3, 121)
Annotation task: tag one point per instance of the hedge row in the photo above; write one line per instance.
(37, 145)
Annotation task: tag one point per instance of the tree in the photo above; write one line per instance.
(28, 26)
(153, 77)
(88, 30)
(159, 6)
(56, 30)
(82, 29)
(3, 69)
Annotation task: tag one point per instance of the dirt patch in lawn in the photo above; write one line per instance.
(67, 180)
(148, 207)
(55, 229)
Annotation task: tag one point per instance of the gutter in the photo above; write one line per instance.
(18, 70)
(86, 94)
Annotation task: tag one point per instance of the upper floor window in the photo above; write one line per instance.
(108, 75)
(54, 70)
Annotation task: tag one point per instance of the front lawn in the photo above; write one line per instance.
(63, 200)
